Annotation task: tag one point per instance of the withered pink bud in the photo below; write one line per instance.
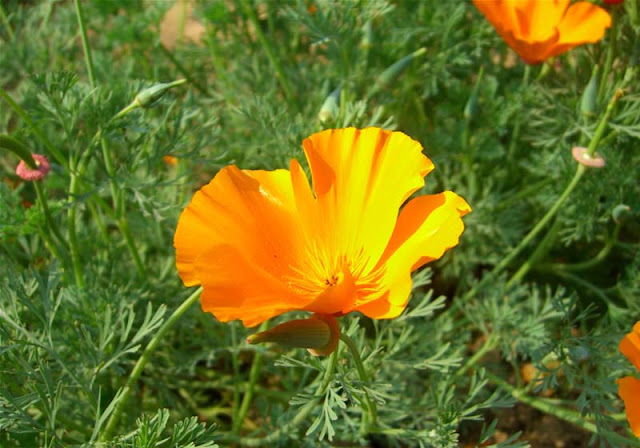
(42, 168)
(582, 156)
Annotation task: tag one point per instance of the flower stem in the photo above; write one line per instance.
(6, 24)
(304, 412)
(275, 62)
(355, 353)
(85, 44)
(562, 413)
(60, 158)
(42, 199)
(488, 345)
(516, 128)
(580, 170)
(142, 361)
(248, 395)
(116, 193)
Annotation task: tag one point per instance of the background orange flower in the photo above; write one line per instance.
(262, 243)
(629, 387)
(538, 30)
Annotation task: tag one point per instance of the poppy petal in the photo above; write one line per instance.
(630, 346)
(253, 211)
(426, 228)
(360, 179)
(629, 391)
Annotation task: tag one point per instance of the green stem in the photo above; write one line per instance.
(611, 51)
(85, 43)
(236, 373)
(516, 128)
(551, 409)
(355, 353)
(580, 170)
(32, 126)
(537, 254)
(300, 417)
(6, 24)
(42, 199)
(248, 395)
(488, 345)
(73, 234)
(275, 62)
(123, 225)
(142, 361)
(195, 83)
(583, 266)
(522, 194)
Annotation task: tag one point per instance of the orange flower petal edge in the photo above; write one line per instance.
(262, 243)
(629, 387)
(538, 30)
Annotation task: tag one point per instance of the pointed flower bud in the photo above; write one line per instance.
(147, 97)
(331, 107)
(581, 155)
(589, 101)
(471, 108)
(319, 334)
(621, 213)
(395, 70)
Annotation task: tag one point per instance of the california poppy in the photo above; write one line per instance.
(538, 30)
(262, 243)
(629, 387)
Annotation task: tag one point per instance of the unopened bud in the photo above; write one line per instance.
(471, 108)
(147, 97)
(589, 101)
(367, 35)
(331, 107)
(395, 70)
(319, 334)
(582, 156)
(621, 213)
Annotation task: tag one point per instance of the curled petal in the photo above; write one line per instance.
(426, 228)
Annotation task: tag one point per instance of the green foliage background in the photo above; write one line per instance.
(255, 86)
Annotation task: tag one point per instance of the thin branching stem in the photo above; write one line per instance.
(142, 361)
(362, 373)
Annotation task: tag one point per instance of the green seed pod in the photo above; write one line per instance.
(147, 97)
(331, 107)
(589, 101)
(387, 77)
(471, 108)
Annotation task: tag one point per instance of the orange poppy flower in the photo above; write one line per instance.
(629, 387)
(262, 243)
(538, 30)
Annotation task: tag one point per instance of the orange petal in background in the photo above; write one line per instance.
(629, 391)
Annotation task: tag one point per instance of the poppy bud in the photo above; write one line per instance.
(319, 334)
(471, 108)
(367, 35)
(330, 107)
(621, 213)
(395, 70)
(589, 101)
(147, 97)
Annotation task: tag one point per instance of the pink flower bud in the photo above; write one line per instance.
(42, 168)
